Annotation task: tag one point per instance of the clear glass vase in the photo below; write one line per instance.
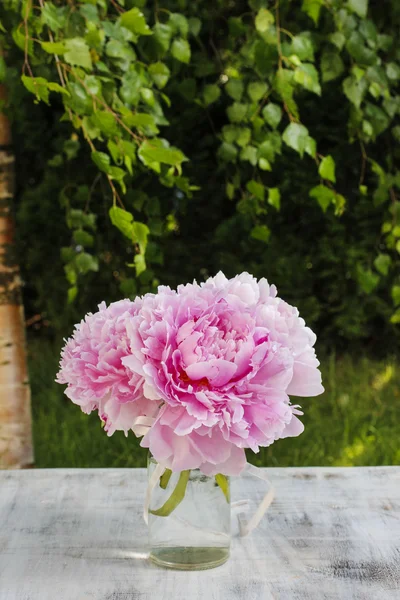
(189, 520)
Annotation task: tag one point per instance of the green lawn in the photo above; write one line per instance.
(356, 421)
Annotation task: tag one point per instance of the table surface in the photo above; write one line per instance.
(78, 534)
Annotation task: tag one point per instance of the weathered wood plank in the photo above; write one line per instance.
(330, 534)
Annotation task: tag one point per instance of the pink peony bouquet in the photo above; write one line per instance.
(208, 368)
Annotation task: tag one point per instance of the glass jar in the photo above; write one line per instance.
(189, 519)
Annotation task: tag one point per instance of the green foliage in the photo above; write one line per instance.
(187, 137)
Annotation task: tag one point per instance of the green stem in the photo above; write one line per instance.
(164, 479)
(175, 498)
(222, 481)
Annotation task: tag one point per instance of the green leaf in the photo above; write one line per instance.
(274, 198)
(369, 31)
(302, 47)
(230, 133)
(140, 264)
(176, 497)
(284, 85)
(395, 318)
(227, 152)
(77, 53)
(90, 12)
(223, 483)
(264, 20)
(118, 174)
(181, 50)
(130, 88)
(312, 8)
(71, 148)
(179, 24)
(211, 93)
(385, 42)
(19, 40)
(260, 233)
(324, 196)
(77, 218)
(338, 39)
(162, 34)
(256, 90)
(123, 220)
(360, 7)
(86, 262)
(54, 17)
(307, 76)
(396, 294)
(83, 238)
(340, 203)
(396, 132)
(378, 118)
(267, 149)
(147, 96)
(106, 122)
(256, 189)
(311, 147)
(393, 71)
(154, 151)
(355, 89)
(56, 87)
(237, 112)
(101, 160)
(272, 114)
(230, 190)
(53, 47)
(194, 26)
(140, 235)
(135, 21)
(160, 74)
(391, 105)
(37, 86)
(249, 153)
(332, 66)
(140, 120)
(264, 164)
(80, 101)
(244, 136)
(382, 263)
(327, 168)
(235, 88)
(68, 255)
(356, 47)
(72, 294)
(295, 136)
(367, 279)
(123, 52)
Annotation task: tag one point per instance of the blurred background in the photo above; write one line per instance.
(157, 142)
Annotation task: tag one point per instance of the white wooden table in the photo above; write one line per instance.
(78, 535)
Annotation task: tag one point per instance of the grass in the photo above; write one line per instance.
(354, 423)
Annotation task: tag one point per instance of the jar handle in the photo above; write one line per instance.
(247, 525)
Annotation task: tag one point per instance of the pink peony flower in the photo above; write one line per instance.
(222, 358)
(91, 365)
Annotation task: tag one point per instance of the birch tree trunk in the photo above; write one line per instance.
(15, 407)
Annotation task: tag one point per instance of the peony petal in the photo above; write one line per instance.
(188, 347)
(233, 466)
(218, 371)
(293, 429)
(306, 380)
